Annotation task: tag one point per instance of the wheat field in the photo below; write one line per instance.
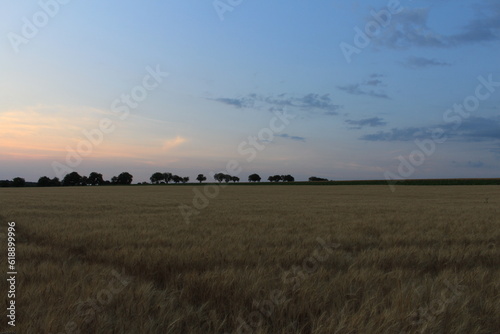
(256, 259)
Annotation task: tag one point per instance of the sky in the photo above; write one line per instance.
(344, 90)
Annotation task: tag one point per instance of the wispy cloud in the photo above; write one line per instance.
(370, 87)
(410, 29)
(357, 89)
(287, 136)
(371, 122)
(485, 27)
(48, 131)
(471, 130)
(397, 134)
(480, 129)
(421, 62)
(43, 130)
(236, 102)
(374, 82)
(172, 143)
(313, 102)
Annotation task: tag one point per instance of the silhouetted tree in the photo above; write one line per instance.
(157, 177)
(219, 177)
(44, 181)
(185, 179)
(168, 177)
(95, 179)
(274, 178)
(72, 179)
(176, 178)
(18, 182)
(201, 178)
(287, 178)
(254, 178)
(84, 181)
(125, 178)
(235, 179)
(114, 180)
(223, 177)
(55, 182)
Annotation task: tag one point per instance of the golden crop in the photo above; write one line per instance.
(257, 259)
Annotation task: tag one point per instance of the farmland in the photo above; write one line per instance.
(260, 259)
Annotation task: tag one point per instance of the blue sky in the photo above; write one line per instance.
(232, 67)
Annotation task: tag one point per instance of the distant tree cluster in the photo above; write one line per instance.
(75, 179)
(124, 178)
(15, 182)
(219, 177)
(278, 178)
(317, 179)
(162, 178)
(45, 181)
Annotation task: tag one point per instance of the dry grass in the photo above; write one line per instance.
(422, 259)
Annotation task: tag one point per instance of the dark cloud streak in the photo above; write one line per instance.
(473, 129)
(371, 122)
(357, 89)
(410, 29)
(421, 62)
(308, 102)
(295, 138)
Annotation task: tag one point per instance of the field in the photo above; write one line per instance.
(260, 259)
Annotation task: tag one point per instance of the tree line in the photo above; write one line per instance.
(125, 178)
(158, 178)
(72, 179)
